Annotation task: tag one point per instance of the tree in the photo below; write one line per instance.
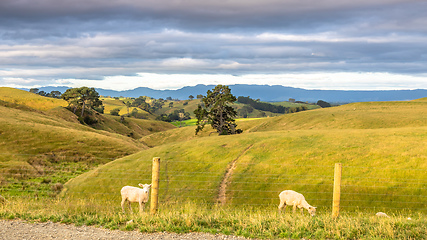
(34, 90)
(323, 104)
(217, 111)
(191, 97)
(128, 105)
(82, 97)
(55, 94)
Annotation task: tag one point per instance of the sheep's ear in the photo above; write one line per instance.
(149, 185)
(141, 185)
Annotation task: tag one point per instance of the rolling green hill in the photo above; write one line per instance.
(366, 115)
(114, 103)
(30, 100)
(189, 106)
(382, 146)
(39, 139)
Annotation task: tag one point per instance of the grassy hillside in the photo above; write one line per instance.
(381, 146)
(188, 106)
(31, 100)
(366, 115)
(114, 103)
(48, 144)
(33, 144)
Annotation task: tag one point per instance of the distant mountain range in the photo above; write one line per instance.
(266, 93)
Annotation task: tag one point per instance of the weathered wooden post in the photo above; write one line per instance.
(155, 186)
(337, 190)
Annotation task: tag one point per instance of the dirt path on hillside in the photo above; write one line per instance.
(18, 230)
(222, 197)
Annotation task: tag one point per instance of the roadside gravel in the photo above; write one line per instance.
(17, 229)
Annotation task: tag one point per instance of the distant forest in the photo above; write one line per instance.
(263, 106)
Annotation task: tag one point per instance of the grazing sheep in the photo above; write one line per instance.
(289, 197)
(381, 214)
(135, 194)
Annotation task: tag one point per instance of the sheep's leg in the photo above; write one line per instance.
(294, 208)
(123, 204)
(141, 207)
(130, 207)
(284, 208)
(302, 211)
(282, 205)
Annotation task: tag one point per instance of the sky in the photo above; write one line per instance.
(169, 44)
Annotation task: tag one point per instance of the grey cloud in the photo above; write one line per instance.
(209, 14)
(92, 39)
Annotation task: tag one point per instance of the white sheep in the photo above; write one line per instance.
(290, 197)
(135, 194)
(381, 214)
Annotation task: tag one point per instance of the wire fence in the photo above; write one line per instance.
(403, 188)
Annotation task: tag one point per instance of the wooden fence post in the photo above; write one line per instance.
(337, 190)
(155, 185)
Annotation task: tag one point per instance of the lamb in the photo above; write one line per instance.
(381, 214)
(135, 194)
(290, 197)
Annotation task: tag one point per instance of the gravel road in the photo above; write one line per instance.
(21, 230)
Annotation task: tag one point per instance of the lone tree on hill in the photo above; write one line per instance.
(217, 112)
(82, 97)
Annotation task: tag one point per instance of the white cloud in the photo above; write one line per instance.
(321, 81)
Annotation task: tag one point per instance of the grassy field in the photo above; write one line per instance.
(384, 165)
(47, 145)
(381, 146)
(269, 162)
(243, 221)
(114, 103)
(29, 99)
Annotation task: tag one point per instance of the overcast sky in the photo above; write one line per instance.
(168, 44)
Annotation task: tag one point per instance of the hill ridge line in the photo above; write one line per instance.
(222, 197)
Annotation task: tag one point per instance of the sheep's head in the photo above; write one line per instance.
(312, 211)
(145, 187)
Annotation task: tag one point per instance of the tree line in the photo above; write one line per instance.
(263, 106)
(215, 108)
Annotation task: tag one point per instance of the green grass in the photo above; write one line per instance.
(382, 163)
(29, 99)
(366, 115)
(113, 103)
(188, 106)
(36, 145)
(241, 221)
(381, 168)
